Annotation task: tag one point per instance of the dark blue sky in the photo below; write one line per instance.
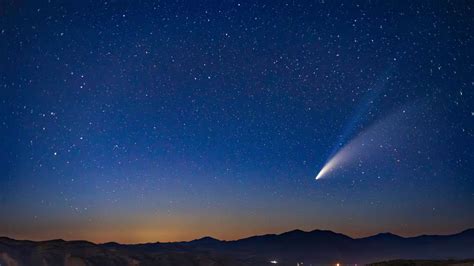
(143, 121)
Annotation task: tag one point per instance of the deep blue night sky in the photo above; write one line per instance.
(143, 121)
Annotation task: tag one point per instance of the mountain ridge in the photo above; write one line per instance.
(289, 248)
(465, 231)
(208, 237)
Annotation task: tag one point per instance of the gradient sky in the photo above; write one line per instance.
(143, 121)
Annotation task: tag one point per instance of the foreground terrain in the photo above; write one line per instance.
(315, 247)
(424, 263)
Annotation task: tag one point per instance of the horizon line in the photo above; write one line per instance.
(231, 240)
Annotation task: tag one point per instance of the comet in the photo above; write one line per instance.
(329, 166)
(336, 161)
(372, 145)
(362, 147)
(343, 153)
(326, 168)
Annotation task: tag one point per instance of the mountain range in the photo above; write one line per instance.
(318, 247)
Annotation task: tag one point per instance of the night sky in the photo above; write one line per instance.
(146, 121)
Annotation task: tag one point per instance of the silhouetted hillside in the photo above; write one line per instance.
(323, 247)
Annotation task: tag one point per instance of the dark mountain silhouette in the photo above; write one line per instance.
(314, 247)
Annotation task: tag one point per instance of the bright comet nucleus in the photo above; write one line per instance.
(326, 168)
(335, 161)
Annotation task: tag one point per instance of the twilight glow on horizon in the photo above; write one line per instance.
(173, 120)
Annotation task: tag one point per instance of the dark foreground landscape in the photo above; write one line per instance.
(291, 248)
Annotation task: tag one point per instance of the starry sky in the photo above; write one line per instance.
(143, 121)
